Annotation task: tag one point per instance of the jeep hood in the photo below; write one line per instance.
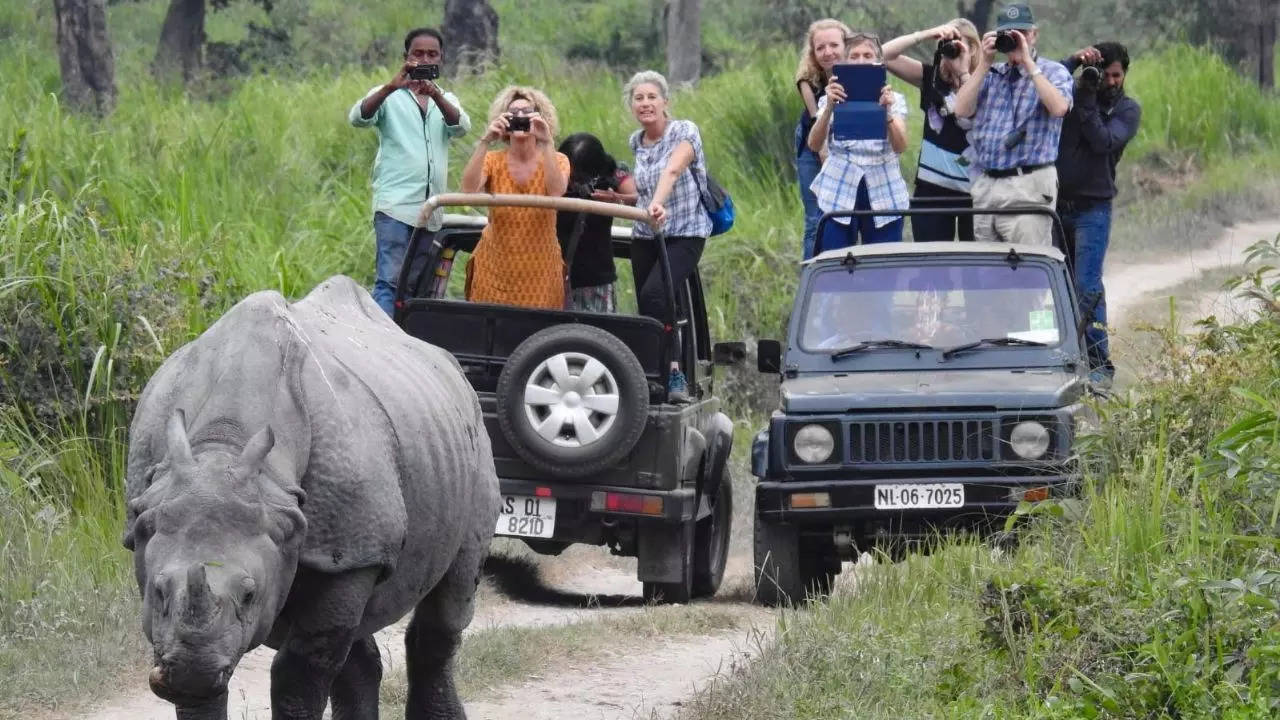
(1003, 389)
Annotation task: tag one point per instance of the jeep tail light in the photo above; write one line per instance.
(626, 503)
(1035, 494)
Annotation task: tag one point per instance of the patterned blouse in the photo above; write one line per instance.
(685, 214)
(517, 261)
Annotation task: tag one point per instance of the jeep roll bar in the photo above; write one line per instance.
(559, 204)
(944, 210)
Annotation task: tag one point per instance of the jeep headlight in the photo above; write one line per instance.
(1029, 440)
(814, 444)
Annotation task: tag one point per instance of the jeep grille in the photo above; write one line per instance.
(899, 441)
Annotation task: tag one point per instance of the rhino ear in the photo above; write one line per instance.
(176, 435)
(255, 452)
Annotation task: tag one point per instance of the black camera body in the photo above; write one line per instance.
(424, 72)
(1006, 42)
(518, 123)
(950, 49)
(1091, 77)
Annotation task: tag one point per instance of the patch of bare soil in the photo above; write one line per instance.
(1130, 284)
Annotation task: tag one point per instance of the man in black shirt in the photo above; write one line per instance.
(1101, 122)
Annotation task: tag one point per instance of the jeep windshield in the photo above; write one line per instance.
(936, 304)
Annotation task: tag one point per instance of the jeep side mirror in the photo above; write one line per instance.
(729, 353)
(769, 356)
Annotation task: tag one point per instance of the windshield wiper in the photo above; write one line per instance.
(996, 342)
(869, 344)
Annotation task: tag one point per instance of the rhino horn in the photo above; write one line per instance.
(199, 596)
(255, 452)
(176, 435)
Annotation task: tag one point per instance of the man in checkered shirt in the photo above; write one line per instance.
(1017, 109)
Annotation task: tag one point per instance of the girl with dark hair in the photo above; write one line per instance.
(593, 175)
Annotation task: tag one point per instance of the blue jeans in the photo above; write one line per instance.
(838, 235)
(807, 167)
(392, 239)
(1089, 231)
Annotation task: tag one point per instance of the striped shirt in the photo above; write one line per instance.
(685, 215)
(849, 162)
(1008, 102)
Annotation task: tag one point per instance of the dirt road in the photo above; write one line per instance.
(581, 588)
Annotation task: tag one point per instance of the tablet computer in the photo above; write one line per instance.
(860, 116)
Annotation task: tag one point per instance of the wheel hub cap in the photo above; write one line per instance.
(571, 400)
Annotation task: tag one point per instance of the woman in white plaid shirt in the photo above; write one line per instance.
(861, 174)
(670, 171)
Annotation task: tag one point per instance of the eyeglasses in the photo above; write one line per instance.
(523, 112)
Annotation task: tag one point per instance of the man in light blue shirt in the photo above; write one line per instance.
(415, 120)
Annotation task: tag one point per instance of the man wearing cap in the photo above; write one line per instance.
(1017, 109)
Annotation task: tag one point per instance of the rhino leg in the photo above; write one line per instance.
(435, 634)
(323, 625)
(354, 693)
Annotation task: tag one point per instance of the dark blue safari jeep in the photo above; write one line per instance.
(925, 387)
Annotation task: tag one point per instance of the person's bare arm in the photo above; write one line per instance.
(810, 102)
(817, 139)
(473, 176)
(897, 127)
(967, 96)
(1050, 96)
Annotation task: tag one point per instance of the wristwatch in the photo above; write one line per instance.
(1035, 72)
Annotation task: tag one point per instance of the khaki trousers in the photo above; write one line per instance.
(1039, 187)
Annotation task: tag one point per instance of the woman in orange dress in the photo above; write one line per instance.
(518, 261)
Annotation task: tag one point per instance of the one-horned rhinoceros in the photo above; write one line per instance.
(301, 475)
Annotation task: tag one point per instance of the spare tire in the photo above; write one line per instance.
(572, 400)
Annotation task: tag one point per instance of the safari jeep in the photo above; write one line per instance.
(925, 387)
(587, 446)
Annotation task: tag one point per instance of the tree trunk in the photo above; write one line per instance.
(1267, 28)
(84, 54)
(181, 47)
(684, 41)
(470, 33)
(978, 12)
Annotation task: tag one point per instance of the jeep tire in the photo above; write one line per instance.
(784, 573)
(572, 400)
(711, 540)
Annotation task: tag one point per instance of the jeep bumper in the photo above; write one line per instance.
(853, 500)
(581, 508)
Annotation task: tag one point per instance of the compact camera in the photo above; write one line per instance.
(518, 122)
(424, 72)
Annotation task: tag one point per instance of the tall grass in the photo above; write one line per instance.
(122, 238)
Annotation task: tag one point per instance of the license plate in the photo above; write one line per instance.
(527, 516)
(909, 497)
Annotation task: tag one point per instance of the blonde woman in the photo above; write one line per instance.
(942, 177)
(824, 46)
(517, 261)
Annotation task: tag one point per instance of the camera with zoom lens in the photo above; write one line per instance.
(424, 72)
(950, 48)
(1091, 77)
(1006, 42)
